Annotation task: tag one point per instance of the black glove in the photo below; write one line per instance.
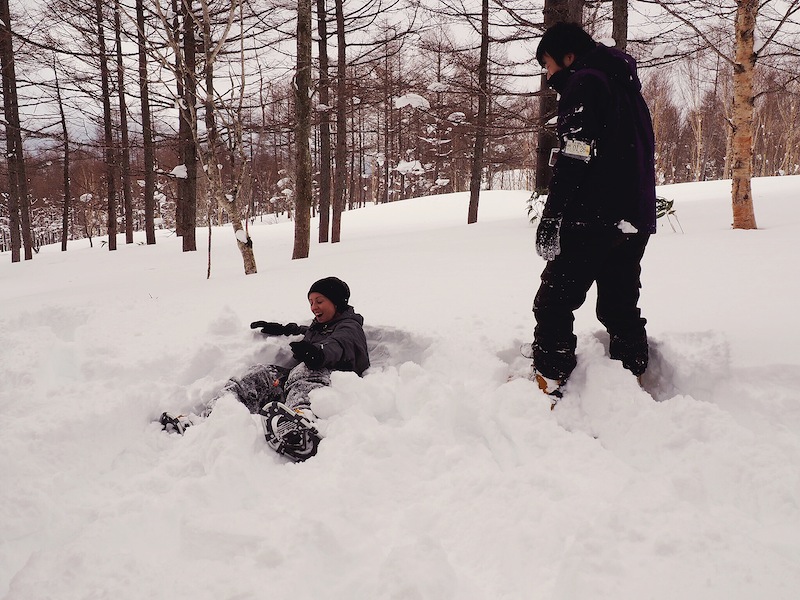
(308, 353)
(548, 238)
(269, 328)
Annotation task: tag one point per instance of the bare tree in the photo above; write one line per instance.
(324, 124)
(109, 152)
(185, 48)
(19, 215)
(124, 154)
(777, 113)
(302, 78)
(688, 27)
(481, 121)
(219, 150)
(67, 188)
(147, 127)
(340, 166)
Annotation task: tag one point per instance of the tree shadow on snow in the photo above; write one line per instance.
(392, 347)
(686, 363)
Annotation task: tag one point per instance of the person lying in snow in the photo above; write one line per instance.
(334, 341)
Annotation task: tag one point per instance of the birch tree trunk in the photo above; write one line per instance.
(241, 189)
(742, 121)
(231, 205)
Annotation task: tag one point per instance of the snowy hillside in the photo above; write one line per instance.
(443, 474)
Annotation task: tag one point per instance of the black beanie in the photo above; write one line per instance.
(334, 289)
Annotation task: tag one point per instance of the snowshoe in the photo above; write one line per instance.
(526, 350)
(288, 432)
(174, 423)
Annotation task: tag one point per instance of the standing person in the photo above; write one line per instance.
(334, 341)
(600, 209)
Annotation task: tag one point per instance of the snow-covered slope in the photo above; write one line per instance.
(443, 473)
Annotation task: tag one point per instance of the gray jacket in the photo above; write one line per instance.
(342, 341)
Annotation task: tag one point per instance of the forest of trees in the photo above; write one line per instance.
(132, 115)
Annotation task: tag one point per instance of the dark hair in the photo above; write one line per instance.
(563, 38)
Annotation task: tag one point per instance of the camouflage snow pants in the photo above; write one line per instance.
(269, 383)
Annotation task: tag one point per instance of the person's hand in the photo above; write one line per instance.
(292, 329)
(308, 353)
(270, 328)
(548, 238)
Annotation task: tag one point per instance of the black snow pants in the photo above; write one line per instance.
(610, 259)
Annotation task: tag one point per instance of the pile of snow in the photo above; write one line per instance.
(443, 473)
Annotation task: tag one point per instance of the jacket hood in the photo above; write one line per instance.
(614, 63)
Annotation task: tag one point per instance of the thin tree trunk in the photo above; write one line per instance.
(302, 223)
(481, 121)
(66, 178)
(742, 167)
(340, 173)
(620, 23)
(360, 177)
(19, 203)
(125, 155)
(387, 129)
(183, 130)
(109, 153)
(188, 131)
(147, 129)
(351, 193)
(324, 126)
(13, 152)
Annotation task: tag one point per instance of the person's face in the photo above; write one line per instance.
(552, 67)
(324, 310)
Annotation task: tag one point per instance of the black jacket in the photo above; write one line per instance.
(342, 341)
(605, 171)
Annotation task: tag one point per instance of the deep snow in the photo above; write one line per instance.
(443, 473)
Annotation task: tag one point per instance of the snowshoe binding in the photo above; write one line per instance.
(288, 432)
(174, 423)
(550, 387)
(553, 388)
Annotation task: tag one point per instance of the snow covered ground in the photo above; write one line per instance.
(443, 473)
